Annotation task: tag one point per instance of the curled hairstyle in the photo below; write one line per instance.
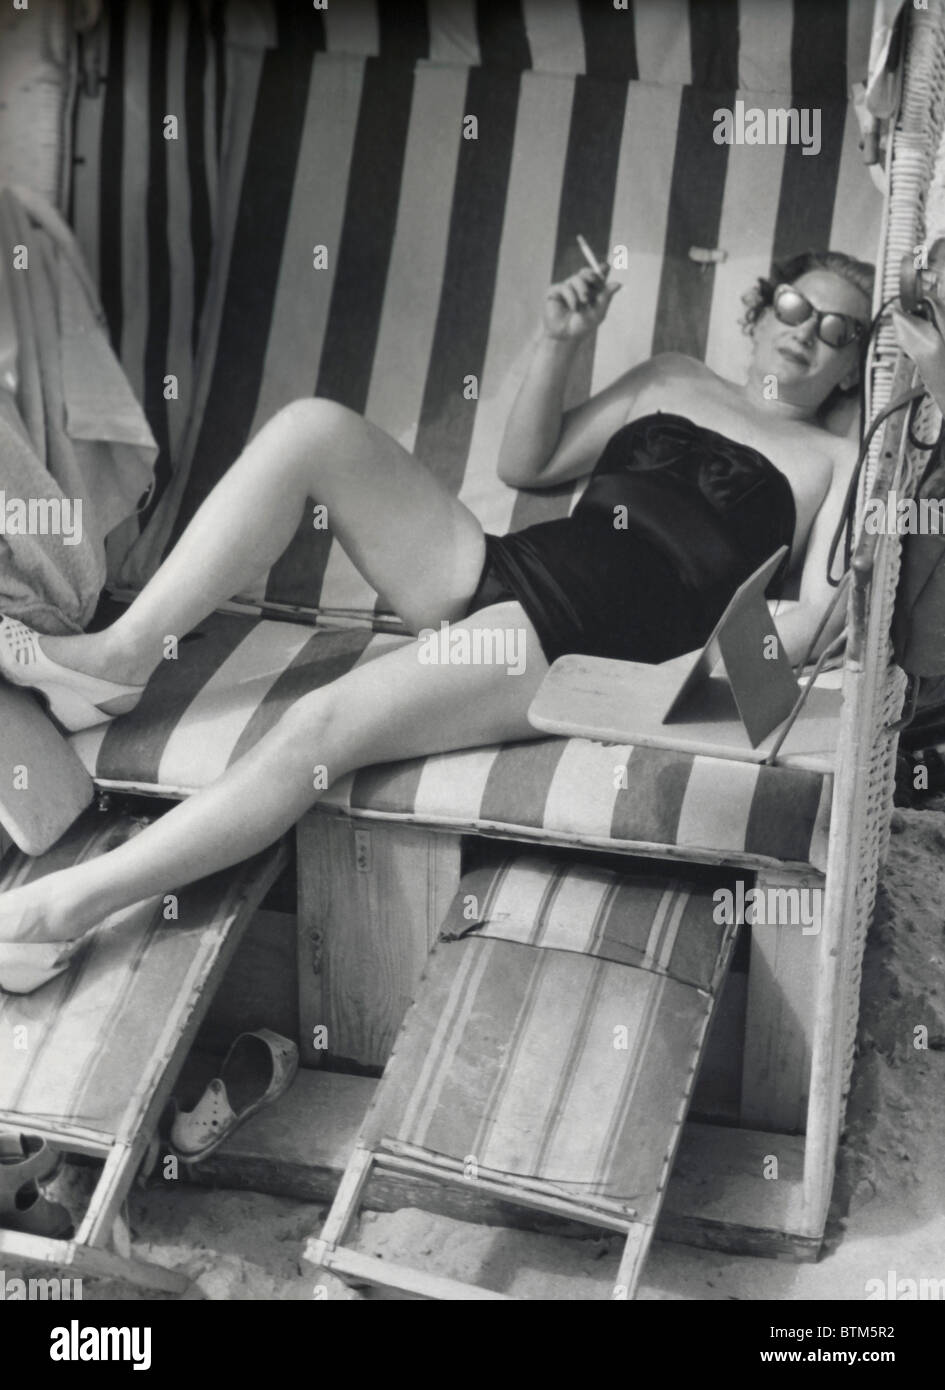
(860, 274)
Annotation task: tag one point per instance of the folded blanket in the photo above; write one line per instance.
(76, 452)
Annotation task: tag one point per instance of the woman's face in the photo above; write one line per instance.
(806, 370)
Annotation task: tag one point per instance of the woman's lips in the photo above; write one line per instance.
(794, 356)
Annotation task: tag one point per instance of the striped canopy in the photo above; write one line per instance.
(346, 128)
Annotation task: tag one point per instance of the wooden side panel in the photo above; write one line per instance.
(43, 785)
(371, 900)
(260, 987)
(781, 992)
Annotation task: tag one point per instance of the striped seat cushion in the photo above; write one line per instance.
(543, 1061)
(100, 1036)
(663, 925)
(237, 675)
(346, 129)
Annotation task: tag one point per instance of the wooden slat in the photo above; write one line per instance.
(260, 987)
(626, 701)
(779, 1022)
(41, 1252)
(345, 1206)
(521, 1194)
(369, 1269)
(371, 901)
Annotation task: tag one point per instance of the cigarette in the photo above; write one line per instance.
(591, 259)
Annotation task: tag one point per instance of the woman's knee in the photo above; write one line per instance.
(318, 436)
(314, 419)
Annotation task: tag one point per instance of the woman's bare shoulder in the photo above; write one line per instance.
(667, 366)
(663, 372)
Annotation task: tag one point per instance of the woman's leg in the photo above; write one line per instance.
(408, 536)
(391, 708)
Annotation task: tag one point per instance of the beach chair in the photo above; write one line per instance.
(438, 251)
(90, 1060)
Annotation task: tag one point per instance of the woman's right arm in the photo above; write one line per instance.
(544, 444)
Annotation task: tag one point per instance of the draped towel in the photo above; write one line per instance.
(71, 434)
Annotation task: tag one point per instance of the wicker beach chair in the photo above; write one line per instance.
(328, 130)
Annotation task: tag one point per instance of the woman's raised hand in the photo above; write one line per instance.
(576, 306)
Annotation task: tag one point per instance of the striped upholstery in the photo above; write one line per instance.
(659, 924)
(550, 1063)
(239, 674)
(344, 128)
(100, 1036)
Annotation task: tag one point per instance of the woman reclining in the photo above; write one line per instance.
(694, 482)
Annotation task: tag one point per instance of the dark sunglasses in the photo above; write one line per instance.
(836, 330)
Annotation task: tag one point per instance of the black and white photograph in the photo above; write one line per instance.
(472, 661)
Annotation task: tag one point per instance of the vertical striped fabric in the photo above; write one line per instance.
(344, 128)
(560, 1040)
(145, 207)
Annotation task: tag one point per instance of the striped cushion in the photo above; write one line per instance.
(238, 675)
(551, 1063)
(99, 1037)
(663, 925)
(439, 247)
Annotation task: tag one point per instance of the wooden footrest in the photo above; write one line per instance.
(549, 1056)
(88, 1061)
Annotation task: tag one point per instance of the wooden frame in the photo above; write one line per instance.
(371, 901)
(328, 1253)
(779, 1025)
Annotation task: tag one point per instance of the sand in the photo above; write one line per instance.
(888, 1218)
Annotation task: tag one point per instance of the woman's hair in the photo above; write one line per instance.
(858, 273)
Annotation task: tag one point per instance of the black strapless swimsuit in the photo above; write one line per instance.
(673, 519)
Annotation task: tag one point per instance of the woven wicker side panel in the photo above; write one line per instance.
(917, 164)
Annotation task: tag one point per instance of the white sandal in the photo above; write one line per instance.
(258, 1067)
(75, 700)
(28, 965)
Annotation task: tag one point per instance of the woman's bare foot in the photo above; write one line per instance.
(42, 912)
